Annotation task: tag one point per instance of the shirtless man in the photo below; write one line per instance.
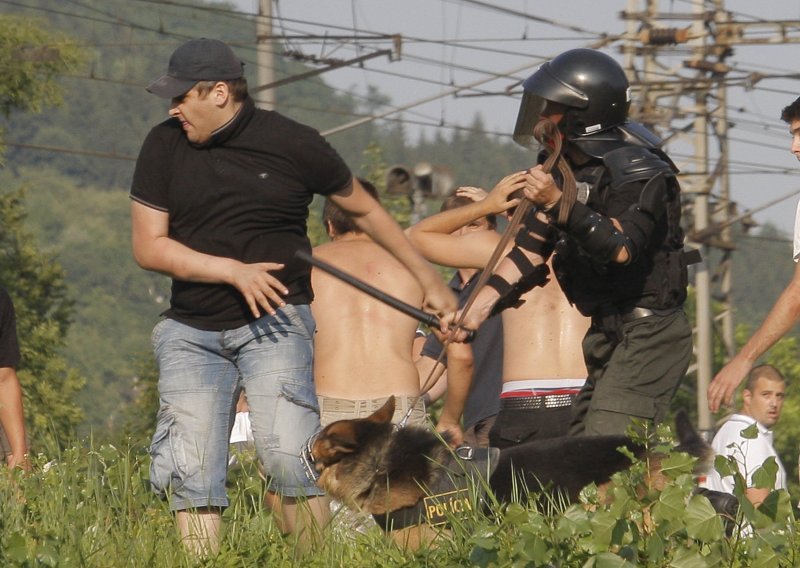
(543, 367)
(363, 348)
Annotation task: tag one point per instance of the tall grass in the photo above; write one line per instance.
(92, 506)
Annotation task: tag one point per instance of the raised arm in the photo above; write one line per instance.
(375, 221)
(434, 236)
(781, 318)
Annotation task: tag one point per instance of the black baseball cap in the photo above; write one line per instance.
(197, 60)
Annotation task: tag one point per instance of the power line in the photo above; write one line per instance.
(61, 150)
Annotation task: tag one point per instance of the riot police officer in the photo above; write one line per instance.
(615, 236)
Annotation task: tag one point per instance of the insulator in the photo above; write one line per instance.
(664, 36)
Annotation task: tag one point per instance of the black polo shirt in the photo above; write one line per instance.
(244, 194)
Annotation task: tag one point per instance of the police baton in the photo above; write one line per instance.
(406, 308)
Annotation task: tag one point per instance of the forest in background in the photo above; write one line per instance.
(77, 203)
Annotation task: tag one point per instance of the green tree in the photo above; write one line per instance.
(37, 286)
(30, 58)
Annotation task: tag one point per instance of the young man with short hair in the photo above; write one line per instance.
(762, 403)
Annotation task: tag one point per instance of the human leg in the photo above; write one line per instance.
(274, 355)
(189, 451)
(303, 517)
(200, 531)
(514, 427)
(641, 375)
(597, 347)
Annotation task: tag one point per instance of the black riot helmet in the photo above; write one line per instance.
(590, 83)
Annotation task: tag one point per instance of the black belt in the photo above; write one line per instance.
(639, 313)
(610, 321)
(536, 402)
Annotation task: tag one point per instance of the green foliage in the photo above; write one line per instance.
(115, 302)
(139, 416)
(36, 283)
(639, 525)
(30, 59)
(765, 535)
(91, 505)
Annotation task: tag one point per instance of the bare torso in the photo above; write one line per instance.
(362, 346)
(542, 338)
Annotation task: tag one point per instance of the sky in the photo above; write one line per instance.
(492, 45)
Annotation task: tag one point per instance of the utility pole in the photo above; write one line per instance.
(700, 185)
(694, 107)
(265, 71)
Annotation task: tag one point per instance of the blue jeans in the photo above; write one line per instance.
(200, 376)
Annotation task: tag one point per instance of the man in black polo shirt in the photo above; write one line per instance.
(220, 202)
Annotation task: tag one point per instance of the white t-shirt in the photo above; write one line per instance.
(750, 454)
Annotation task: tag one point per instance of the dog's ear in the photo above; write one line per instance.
(339, 438)
(385, 413)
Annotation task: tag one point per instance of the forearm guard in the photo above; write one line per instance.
(537, 236)
(510, 295)
(594, 233)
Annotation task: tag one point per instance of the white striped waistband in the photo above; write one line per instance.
(542, 384)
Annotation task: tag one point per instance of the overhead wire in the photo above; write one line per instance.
(459, 44)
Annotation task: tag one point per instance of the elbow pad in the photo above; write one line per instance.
(595, 233)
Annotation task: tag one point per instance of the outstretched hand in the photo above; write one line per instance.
(723, 387)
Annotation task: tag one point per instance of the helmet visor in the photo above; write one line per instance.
(530, 111)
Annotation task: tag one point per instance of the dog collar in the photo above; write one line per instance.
(307, 458)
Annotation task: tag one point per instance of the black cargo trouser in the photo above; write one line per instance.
(634, 372)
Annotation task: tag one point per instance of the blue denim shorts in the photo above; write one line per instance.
(200, 375)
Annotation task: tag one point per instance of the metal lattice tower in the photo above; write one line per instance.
(676, 65)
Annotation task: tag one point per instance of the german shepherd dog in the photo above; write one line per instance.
(370, 465)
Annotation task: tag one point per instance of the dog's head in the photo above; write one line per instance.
(369, 464)
(348, 437)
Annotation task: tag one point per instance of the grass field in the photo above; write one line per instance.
(92, 506)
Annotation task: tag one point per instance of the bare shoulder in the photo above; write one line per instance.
(367, 260)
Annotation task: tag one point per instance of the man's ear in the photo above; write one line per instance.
(221, 93)
(747, 397)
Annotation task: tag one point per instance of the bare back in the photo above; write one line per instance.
(362, 346)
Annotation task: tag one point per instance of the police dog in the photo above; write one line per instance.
(369, 465)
